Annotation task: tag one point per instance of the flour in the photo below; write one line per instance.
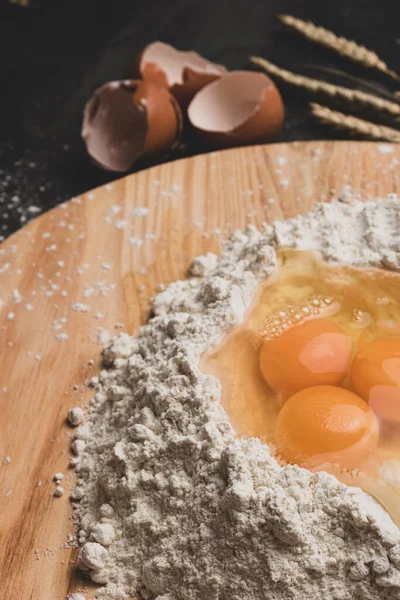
(173, 505)
(79, 307)
(58, 492)
(76, 416)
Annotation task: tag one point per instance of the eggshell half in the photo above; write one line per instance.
(240, 108)
(127, 120)
(183, 73)
(164, 118)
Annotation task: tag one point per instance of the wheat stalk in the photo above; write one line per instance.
(342, 46)
(354, 124)
(369, 101)
(368, 86)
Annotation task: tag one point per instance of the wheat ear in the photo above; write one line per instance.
(342, 46)
(354, 125)
(369, 101)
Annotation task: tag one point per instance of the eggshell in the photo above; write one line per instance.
(183, 73)
(127, 120)
(241, 108)
(164, 118)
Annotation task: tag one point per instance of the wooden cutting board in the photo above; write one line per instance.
(110, 250)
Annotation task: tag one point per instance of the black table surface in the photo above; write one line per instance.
(53, 54)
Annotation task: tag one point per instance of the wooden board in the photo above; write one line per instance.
(110, 249)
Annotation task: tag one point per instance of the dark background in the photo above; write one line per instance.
(54, 54)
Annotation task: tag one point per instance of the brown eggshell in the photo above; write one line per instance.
(127, 120)
(183, 73)
(164, 118)
(241, 108)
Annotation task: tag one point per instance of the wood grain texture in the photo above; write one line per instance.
(98, 250)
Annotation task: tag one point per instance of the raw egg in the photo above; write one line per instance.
(315, 352)
(375, 376)
(127, 120)
(326, 424)
(239, 108)
(320, 427)
(182, 73)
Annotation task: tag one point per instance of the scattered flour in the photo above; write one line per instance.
(58, 492)
(103, 337)
(385, 148)
(174, 505)
(62, 337)
(76, 416)
(16, 296)
(140, 211)
(79, 307)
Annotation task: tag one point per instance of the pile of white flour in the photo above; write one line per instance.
(172, 504)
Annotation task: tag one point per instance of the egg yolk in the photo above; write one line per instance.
(326, 424)
(375, 376)
(315, 352)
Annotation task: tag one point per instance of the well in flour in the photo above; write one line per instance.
(319, 357)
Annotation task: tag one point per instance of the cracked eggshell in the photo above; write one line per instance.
(182, 73)
(240, 108)
(127, 120)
